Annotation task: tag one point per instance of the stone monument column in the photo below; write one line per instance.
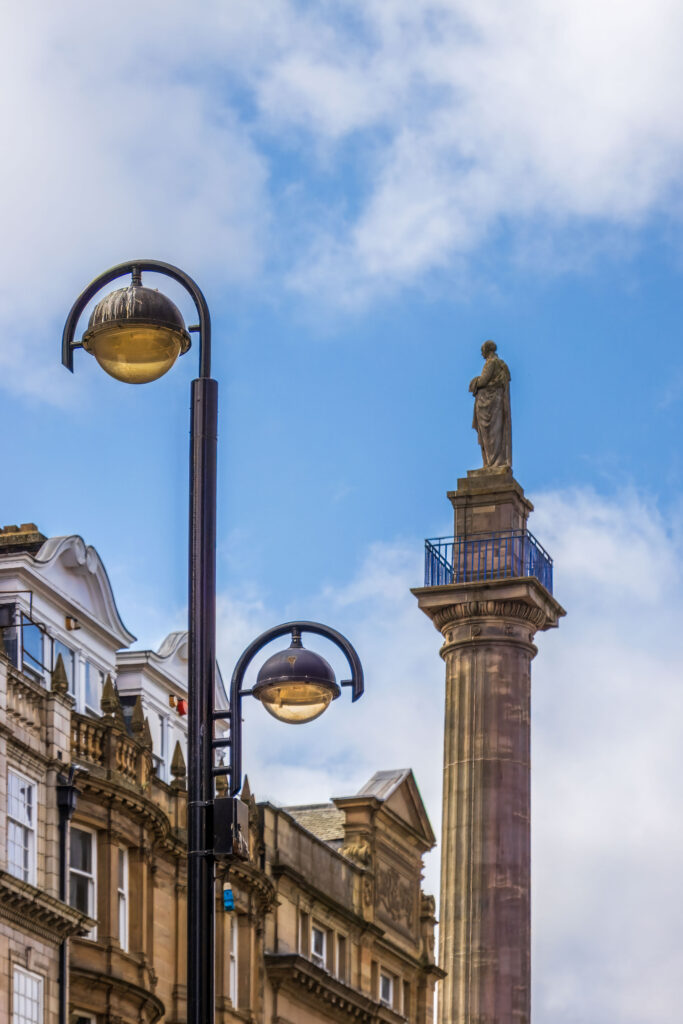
(489, 591)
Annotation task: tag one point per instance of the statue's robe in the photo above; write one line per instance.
(492, 420)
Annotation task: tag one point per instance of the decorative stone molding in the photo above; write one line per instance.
(295, 973)
(25, 703)
(83, 560)
(60, 683)
(178, 768)
(455, 613)
(110, 787)
(358, 850)
(145, 1007)
(427, 905)
(368, 890)
(29, 907)
(249, 877)
(396, 895)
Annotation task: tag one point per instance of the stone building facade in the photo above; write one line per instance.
(325, 922)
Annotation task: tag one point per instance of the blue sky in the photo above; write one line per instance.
(365, 194)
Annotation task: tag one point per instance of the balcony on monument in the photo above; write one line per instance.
(494, 556)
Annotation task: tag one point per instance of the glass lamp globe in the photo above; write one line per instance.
(296, 685)
(136, 334)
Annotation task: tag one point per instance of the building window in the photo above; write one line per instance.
(233, 961)
(386, 989)
(93, 688)
(69, 661)
(32, 647)
(82, 874)
(27, 997)
(158, 725)
(123, 898)
(318, 943)
(21, 827)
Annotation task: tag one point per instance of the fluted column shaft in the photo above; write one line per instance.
(484, 931)
(488, 617)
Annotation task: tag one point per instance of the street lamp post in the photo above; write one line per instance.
(136, 334)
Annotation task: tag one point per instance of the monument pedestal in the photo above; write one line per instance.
(488, 621)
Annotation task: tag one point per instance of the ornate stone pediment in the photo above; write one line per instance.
(75, 569)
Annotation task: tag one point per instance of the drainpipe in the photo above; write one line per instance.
(67, 795)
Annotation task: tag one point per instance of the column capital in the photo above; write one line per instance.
(522, 599)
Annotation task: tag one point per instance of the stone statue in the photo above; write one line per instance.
(491, 390)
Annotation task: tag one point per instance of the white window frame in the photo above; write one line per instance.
(318, 958)
(31, 977)
(122, 897)
(74, 662)
(31, 829)
(234, 961)
(27, 665)
(385, 976)
(92, 903)
(160, 756)
(87, 665)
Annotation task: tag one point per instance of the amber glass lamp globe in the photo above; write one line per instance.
(296, 685)
(136, 334)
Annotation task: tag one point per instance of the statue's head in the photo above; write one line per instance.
(488, 349)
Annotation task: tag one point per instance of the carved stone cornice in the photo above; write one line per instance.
(128, 799)
(519, 600)
(314, 984)
(453, 613)
(249, 877)
(32, 909)
(147, 1007)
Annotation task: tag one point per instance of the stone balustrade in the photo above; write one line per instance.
(25, 703)
(87, 739)
(105, 744)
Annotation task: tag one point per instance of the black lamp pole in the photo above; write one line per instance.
(67, 795)
(286, 681)
(202, 635)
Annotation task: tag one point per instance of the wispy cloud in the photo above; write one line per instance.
(419, 128)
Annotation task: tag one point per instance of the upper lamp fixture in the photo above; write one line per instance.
(136, 333)
(296, 685)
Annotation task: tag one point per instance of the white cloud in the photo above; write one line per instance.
(113, 147)
(607, 745)
(416, 130)
(486, 115)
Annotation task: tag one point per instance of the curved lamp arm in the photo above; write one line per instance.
(131, 267)
(237, 692)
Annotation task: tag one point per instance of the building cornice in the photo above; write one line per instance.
(520, 598)
(27, 568)
(314, 984)
(141, 997)
(253, 880)
(117, 792)
(31, 908)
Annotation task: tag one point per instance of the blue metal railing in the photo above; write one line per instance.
(491, 556)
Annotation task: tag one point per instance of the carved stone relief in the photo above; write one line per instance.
(395, 895)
